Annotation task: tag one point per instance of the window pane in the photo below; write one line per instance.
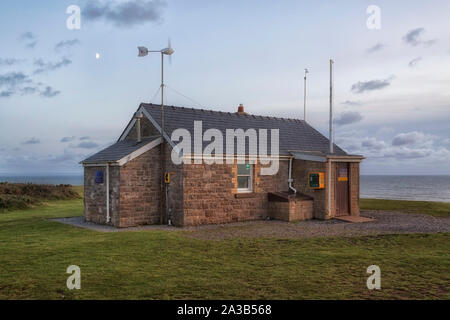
(243, 182)
(244, 169)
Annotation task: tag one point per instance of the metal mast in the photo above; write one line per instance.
(331, 106)
(304, 96)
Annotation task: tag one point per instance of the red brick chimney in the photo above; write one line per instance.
(241, 110)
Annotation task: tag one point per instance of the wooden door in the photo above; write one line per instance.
(342, 189)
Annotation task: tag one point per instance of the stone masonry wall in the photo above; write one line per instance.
(140, 190)
(354, 188)
(300, 173)
(175, 191)
(210, 194)
(95, 195)
(301, 170)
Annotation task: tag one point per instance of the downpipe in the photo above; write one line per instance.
(290, 180)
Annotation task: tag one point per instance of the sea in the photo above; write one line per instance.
(419, 188)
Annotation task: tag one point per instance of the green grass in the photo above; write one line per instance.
(35, 252)
(437, 209)
(15, 196)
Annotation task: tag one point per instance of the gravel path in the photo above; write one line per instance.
(386, 222)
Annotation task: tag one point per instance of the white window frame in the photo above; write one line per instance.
(250, 180)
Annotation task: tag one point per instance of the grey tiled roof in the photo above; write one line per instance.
(294, 134)
(119, 150)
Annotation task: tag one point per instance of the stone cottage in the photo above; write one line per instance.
(135, 181)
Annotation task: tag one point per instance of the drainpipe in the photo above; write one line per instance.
(108, 218)
(290, 180)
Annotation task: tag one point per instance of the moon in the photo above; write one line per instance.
(97, 55)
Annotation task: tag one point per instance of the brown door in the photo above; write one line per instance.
(342, 194)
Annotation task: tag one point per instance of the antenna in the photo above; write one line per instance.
(331, 106)
(304, 96)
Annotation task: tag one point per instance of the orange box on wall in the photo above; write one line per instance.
(317, 180)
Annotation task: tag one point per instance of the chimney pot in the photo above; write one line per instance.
(241, 109)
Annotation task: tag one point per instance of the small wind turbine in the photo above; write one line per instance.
(142, 52)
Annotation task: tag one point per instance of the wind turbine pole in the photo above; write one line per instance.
(162, 157)
(162, 95)
(331, 106)
(304, 96)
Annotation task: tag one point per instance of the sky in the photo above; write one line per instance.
(68, 93)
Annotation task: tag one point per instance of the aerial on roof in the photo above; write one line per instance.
(294, 134)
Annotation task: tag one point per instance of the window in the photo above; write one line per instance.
(245, 177)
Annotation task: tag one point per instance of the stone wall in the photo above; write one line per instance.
(95, 195)
(300, 173)
(140, 190)
(291, 210)
(175, 190)
(210, 193)
(354, 188)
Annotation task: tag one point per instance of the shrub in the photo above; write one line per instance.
(24, 195)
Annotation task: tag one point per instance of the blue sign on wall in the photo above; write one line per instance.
(99, 176)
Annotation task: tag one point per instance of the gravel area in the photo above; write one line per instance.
(386, 222)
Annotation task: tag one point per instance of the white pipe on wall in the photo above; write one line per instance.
(108, 218)
(290, 176)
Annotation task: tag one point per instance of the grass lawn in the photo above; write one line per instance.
(35, 252)
(437, 209)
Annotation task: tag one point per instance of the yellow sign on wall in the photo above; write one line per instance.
(317, 180)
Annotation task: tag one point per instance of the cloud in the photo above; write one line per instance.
(29, 39)
(362, 86)
(411, 138)
(126, 14)
(405, 146)
(85, 138)
(20, 83)
(414, 38)
(87, 145)
(348, 117)
(352, 103)
(6, 94)
(67, 139)
(16, 82)
(413, 63)
(373, 144)
(28, 90)
(32, 141)
(13, 79)
(376, 48)
(9, 61)
(49, 92)
(66, 44)
(50, 66)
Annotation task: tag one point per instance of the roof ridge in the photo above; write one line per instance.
(227, 112)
